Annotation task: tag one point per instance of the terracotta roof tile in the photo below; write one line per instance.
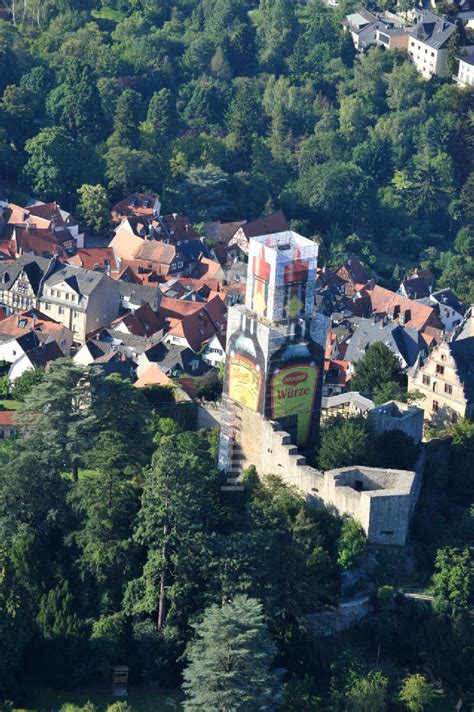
(415, 314)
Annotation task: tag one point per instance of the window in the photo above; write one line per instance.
(426, 380)
(448, 389)
(439, 369)
(53, 292)
(47, 306)
(73, 297)
(435, 406)
(61, 310)
(443, 356)
(66, 296)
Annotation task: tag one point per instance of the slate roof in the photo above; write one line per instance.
(173, 359)
(34, 266)
(432, 30)
(416, 288)
(448, 298)
(44, 353)
(404, 341)
(82, 281)
(138, 293)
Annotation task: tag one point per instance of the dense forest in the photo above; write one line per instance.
(232, 108)
(121, 544)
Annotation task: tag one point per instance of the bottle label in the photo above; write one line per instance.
(293, 390)
(245, 381)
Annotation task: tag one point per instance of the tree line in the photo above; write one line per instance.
(232, 108)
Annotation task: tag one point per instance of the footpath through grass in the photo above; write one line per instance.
(41, 698)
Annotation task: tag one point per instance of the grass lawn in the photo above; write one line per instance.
(10, 404)
(41, 698)
(107, 13)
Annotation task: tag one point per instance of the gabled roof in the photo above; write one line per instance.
(33, 266)
(355, 270)
(416, 288)
(138, 204)
(7, 418)
(82, 281)
(142, 322)
(432, 30)
(153, 376)
(44, 353)
(41, 242)
(156, 252)
(266, 225)
(208, 269)
(448, 298)
(173, 359)
(415, 313)
(402, 341)
(200, 325)
(222, 231)
(98, 258)
(139, 294)
(30, 320)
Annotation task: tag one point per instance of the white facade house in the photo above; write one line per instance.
(465, 75)
(427, 45)
(215, 351)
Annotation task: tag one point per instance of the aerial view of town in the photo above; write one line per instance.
(236, 355)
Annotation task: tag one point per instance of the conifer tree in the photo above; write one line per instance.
(230, 661)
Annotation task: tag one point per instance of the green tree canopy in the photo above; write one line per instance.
(230, 660)
(376, 368)
(345, 441)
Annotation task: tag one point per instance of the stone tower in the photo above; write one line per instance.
(275, 349)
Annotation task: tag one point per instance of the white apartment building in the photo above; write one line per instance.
(427, 44)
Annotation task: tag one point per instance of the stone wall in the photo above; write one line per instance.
(383, 505)
(394, 415)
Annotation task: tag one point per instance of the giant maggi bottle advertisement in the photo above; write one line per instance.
(245, 365)
(293, 390)
(245, 381)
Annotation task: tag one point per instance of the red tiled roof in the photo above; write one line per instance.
(94, 257)
(266, 225)
(142, 322)
(199, 326)
(417, 315)
(124, 208)
(39, 242)
(7, 417)
(153, 376)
